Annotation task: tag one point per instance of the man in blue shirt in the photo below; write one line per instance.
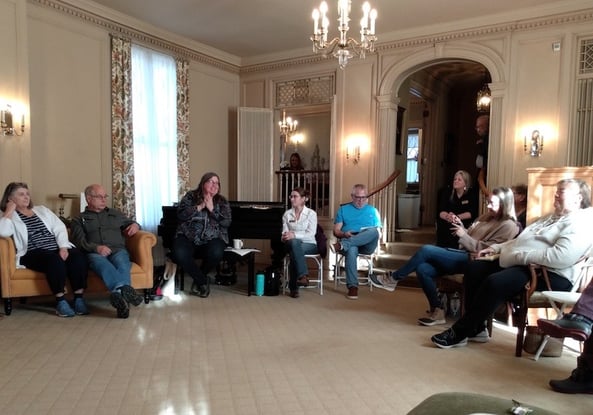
(356, 226)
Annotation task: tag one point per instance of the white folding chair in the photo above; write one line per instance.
(560, 301)
(364, 262)
(317, 282)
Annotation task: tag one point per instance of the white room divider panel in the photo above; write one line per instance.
(255, 155)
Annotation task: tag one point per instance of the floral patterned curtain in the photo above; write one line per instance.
(121, 126)
(182, 127)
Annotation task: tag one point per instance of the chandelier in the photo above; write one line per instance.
(287, 126)
(343, 47)
(484, 97)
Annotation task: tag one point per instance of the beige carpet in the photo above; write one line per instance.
(233, 354)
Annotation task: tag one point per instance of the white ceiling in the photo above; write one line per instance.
(249, 28)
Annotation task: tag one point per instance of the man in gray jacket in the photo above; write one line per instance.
(100, 232)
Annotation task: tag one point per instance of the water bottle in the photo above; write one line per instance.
(259, 283)
(455, 305)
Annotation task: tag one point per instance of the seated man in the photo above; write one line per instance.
(558, 241)
(100, 232)
(576, 324)
(357, 227)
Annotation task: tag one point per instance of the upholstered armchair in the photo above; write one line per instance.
(22, 282)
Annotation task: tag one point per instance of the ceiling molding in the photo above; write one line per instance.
(584, 16)
(137, 35)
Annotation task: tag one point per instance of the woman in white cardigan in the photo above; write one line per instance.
(42, 244)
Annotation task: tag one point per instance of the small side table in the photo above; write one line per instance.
(249, 256)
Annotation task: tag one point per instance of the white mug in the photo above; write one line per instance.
(237, 243)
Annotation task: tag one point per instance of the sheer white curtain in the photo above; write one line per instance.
(154, 114)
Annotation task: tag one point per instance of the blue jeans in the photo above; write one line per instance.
(430, 262)
(298, 264)
(114, 269)
(365, 243)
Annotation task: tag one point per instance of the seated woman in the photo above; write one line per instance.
(204, 218)
(299, 224)
(558, 241)
(495, 226)
(42, 244)
(459, 203)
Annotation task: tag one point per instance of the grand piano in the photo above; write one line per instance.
(250, 220)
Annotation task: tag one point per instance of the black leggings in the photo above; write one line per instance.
(487, 286)
(56, 269)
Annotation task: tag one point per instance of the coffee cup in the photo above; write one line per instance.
(237, 243)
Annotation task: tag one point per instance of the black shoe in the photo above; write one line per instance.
(294, 293)
(118, 302)
(571, 325)
(580, 381)
(448, 339)
(130, 295)
(202, 291)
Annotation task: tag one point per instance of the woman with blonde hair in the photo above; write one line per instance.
(497, 225)
(461, 203)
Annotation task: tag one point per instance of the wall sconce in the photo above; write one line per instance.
(536, 144)
(7, 123)
(353, 153)
(296, 140)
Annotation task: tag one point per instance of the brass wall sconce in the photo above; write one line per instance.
(535, 147)
(353, 153)
(7, 123)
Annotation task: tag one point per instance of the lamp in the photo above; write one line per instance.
(484, 97)
(353, 153)
(287, 126)
(296, 140)
(536, 146)
(343, 47)
(6, 122)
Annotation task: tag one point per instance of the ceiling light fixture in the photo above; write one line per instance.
(484, 97)
(343, 47)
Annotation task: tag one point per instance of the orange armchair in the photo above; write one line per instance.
(23, 282)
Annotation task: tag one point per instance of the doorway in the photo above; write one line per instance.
(441, 103)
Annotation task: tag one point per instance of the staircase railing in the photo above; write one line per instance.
(384, 198)
(315, 181)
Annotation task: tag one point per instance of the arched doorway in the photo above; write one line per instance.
(398, 79)
(439, 136)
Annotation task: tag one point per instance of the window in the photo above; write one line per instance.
(412, 155)
(154, 115)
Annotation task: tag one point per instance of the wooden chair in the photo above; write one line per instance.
(530, 298)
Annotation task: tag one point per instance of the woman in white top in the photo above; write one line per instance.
(299, 224)
(42, 244)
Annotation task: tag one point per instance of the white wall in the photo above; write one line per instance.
(70, 135)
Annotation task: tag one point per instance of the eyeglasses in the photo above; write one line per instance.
(294, 196)
(213, 182)
(103, 197)
(359, 197)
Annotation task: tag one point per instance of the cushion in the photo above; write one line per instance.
(466, 403)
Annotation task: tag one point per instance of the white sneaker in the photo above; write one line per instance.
(481, 337)
(437, 317)
(383, 281)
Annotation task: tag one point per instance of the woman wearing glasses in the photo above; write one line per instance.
(299, 224)
(203, 232)
(42, 244)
